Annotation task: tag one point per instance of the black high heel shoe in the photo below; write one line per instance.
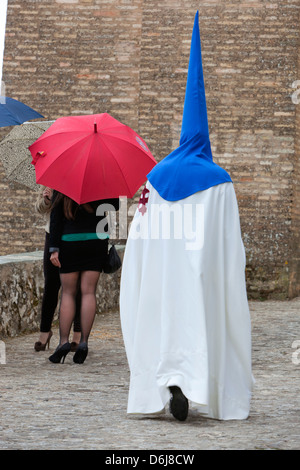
(81, 353)
(60, 353)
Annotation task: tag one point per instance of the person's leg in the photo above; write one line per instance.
(69, 282)
(89, 280)
(76, 324)
(50, 295)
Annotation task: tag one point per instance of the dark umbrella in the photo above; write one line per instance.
(13, 112)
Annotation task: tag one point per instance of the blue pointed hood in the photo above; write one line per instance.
(194, 120)
(190, 168)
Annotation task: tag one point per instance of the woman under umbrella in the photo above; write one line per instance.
(52, 282)
(85, 158)
(80, 252)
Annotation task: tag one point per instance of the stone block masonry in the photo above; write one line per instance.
(21, 291)
(130, 58)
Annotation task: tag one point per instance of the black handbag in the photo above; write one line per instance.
(113, 261)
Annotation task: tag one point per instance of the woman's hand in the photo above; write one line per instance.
(47, 194)
(54, 259)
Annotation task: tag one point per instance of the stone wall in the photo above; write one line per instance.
(295, 227)
(129, 58)
(21, 290)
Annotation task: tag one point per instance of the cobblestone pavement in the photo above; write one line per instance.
(45, 406)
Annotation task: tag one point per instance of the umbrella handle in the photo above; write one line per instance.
(42, 153)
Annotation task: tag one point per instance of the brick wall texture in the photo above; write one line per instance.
(129, 58)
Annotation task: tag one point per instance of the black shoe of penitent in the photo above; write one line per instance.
(179, 405)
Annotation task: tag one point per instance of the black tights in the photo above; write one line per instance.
(51, 291)
(88, 283)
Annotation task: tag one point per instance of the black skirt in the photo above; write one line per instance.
(88, 255)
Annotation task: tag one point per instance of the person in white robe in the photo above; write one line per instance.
(183, 302)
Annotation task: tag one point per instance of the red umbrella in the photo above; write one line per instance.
(91, 157)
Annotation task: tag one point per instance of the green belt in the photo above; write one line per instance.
(75, 237)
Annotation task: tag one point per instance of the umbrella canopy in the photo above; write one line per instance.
(91, 157)
(14, 153)
(13, 112)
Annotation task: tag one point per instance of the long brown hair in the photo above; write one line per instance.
(70, 208)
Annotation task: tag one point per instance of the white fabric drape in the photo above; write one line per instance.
(3, 13)
(183, 305)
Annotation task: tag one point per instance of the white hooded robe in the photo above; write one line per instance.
(183, 304)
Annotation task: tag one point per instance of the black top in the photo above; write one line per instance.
(84, 221)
